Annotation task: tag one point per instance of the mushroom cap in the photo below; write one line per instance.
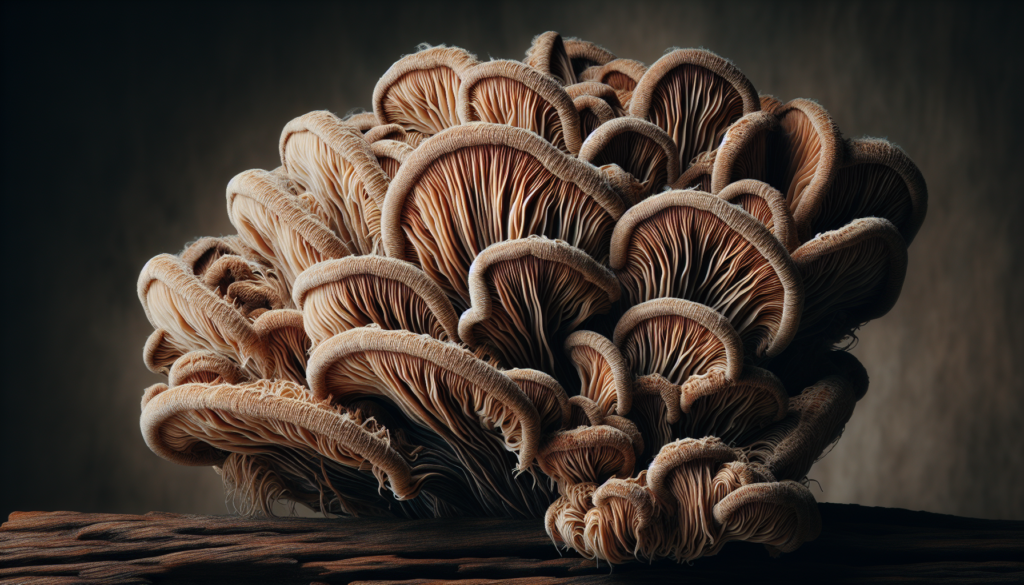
(713, 253)
(547, 54)
(390, 155)
(851, 276)
(331, 161)
(698, 176)
(584, 412)
(678, 339)
(733, 410)
(622, 75)
(515, 94)
(782, 515)
(249, 286)
(285, 344)
(528, 295)
(587, 454)
(803, 154)
(362, 121)
(419, 92)
(876, 179)
(708, 453)
(475, 185)
(205, 367)
(743, 154)
(638, 147)
(694, 95)
(278, 225)
(624, 523)
(338, 295)
(199, 255)
(604, 375)
(766, 204)
(583, 54)
(546, 394)
(593, 112)
(565, 519)
(384, 132)
(161, 351)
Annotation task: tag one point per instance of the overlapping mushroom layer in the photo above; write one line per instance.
(575, 287)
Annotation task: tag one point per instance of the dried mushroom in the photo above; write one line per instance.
(420, 91)
(547, 54)
(766, 204)
(732, 411)
(622, 75)
(604, 375)
(583, 54)
(639, 148)
(205, 367)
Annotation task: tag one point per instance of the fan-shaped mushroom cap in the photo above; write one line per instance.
(692, 245)
(624, 523)
(876, 179)
(605, 93)
(331, 161)
(285, 344)
(584, 412)
(565, 519)
(279, 225)
(678, 339)
(204, 252)
(587, 454)
(384, 132)
(732, 410)
(205, 367)
(362, 121)
(743, 152)
(656, 413)
(766, 204)
(698, 176)
(515, 94)
(622, 75)
(593, 112)
(694, 95)
(475, 185)
(250, 287)
(584, 54)
(547, 55)
(198, 424)
(638, 147)
(420, 91)
(546, 394)
(161, 351)
(781, 515)
(343, 294)
(604, 375)
(851, 276)
(196, 318)
(528, 295)
(391, 154)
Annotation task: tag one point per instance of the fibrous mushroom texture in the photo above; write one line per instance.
(572, 286)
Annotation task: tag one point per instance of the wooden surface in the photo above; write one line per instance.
(858, 544)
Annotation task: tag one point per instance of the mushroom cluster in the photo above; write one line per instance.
(574, 287)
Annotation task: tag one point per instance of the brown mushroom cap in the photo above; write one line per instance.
(733, 410)
(851, 276)
(476, 185)
(420, 91)
(331, 161)
(583, 54)
(565, 519)
(250, 287)
(692, 245)
(593, 112)
(604, 375)
(766, 204)
(694, 95)
(384, 132)
(547, 55)
(743, 152)
(547, 396)
(194, 316)
(584, 412)
(698, 176)
(622, 75)
(515, 94)
(678, 339)
(285, 345)
(803, 154)
(876, 179)
(278, 224)
(638, 147)
(161, 351)
(781, 515)
(362, 121)
(390, 155)
(587, 454)
(205, 367)
(605, 93)
(624, 523)
(528, 295)
(656, 413)
(338, 295)
(204, 252)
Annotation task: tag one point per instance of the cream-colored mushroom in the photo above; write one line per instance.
(638, 147)
(419, 92)
(547, 54)
(622, 75)
(604, 375)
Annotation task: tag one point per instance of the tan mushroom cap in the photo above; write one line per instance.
(851, 276)
(877, 179)
(419, 92)
(656, 413)
(743, 153)
(781, 515)
(584, 54)
(766, 204)
(384, 132)
(362, 121)
(335, 166)
(547, 54)
(279, 225)
(625, 523)
(692, 245)
(593, 112)
(587, 454)
(604, 375)
(803, 154)
(698, 176)
(528, 295)
(285, 344)
(515, 94)
(250, 287)
(733, 410)
(476, 185)
(622, 75)
(584, 412)
(694, 95)
(596, 89)
(677, 339)
(205, 367)
(161, 351)
(343, 294)
(194, 316)
(204, 252)
(638, 147)
(565, 519)
(547, 396)
(390, 155)
(198, 425)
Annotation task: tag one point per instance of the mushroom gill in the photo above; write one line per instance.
(205, 367)
(766, 204)
(420, 91)
(604, 375)
(528, 295)
(595, 89)
(639, 148)
(476, 185)
(694, 246)
(250, 287)
(204, 252)
(343, 294)
(803, 154)
(547, 396)
(587, 455)
(625, 522)
(622, 75)
(390, 155)
(732, 410)
(743, 153)
(698, 176)
(694, 95)
(161, 351)
(656, 413)
(547, 55)
(565, 519)
(583, 54)
(285, 345)
(593, 112)
(781, 515)
(515, 94)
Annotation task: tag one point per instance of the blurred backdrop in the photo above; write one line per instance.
(123, 124)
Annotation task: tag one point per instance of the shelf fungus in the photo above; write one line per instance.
(573, 286)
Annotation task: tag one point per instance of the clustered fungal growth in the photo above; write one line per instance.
(575, 288)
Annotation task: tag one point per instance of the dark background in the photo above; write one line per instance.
(123, 124)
